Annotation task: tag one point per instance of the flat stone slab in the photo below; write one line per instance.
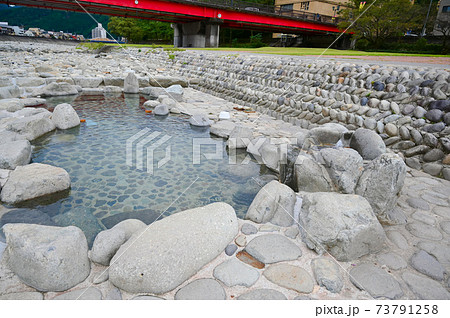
(90, 293)
(23, 296)
(327, 274)
(234, 272)
(273, 248)
(291, 277)
(377, 282)
(230, 249)
(424, 217)
(201, 289)
(100, 277)
(147, 297)
(112, 293)
(241, 240)
(434, 199)
(445, 226)
(428, 265)
(248, 229)
(442, 211)
(423, 230)
(392, 260)
(425, 288)
(292, 232)
(398, 239)
(418, 204)
(439, 250)
(269, 228)
(262, 294)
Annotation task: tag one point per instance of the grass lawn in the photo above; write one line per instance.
(312, 51)
(285, 50)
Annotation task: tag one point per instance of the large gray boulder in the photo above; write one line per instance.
(47, 258)
(32, 127)
(342, 224)
(153, 92)
(381, 183)
(87, 82)
(12, 91)
(268, 152)
(113, 81)
(33, 181)
(161, 110)
(239, 137)
(169, 251)
(11, 104)
(311, 176)
(109, 241)
(176, 92)
(166, 81)
(199, 120)
(328, 134)
(271, 156)
(56, 89)
(274, 203)
(222, 128)
(131, 84)
(344, 167)
(15, 153)
(368, 143)
(30, 81)
(31, 111)
(33, 101)
(9, 136)
(65, 117)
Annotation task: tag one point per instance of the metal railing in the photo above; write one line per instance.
(267, 9)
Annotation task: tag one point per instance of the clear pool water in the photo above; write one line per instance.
(106, 191)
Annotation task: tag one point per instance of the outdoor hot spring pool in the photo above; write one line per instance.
(105, 190)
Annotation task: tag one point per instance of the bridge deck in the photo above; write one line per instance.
(229, 13)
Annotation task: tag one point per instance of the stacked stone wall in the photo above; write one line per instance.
(409, 107)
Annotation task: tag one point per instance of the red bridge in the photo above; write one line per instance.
(196, 22)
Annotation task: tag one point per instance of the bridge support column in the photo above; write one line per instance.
(177, 36)
(196, 34)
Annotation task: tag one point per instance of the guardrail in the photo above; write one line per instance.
(268, 9)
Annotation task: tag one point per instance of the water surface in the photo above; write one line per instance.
(106, 191)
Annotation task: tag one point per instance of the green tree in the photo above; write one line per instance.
(136, 30)
(155, 30)
(443, 28)
(383, 20)
(126, 27)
